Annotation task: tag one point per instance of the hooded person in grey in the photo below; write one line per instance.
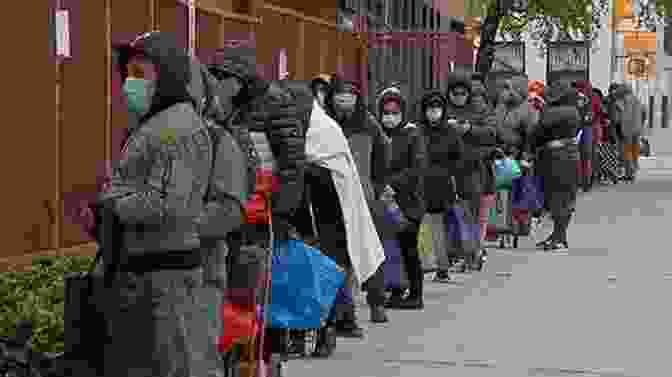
(158, 318)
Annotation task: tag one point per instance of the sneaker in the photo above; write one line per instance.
(544, 244)
(394, 301)
(349, 329)
(557, 246)
(412, 303)
(442, 276)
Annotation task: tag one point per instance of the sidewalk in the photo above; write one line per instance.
(593, 311)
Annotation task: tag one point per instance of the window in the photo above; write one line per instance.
(438, 21)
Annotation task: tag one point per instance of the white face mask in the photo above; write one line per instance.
(391, 120)
(345, 100)
(434, 114)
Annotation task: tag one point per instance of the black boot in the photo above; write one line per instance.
(414, 300)
(396, 297)
(347, 327)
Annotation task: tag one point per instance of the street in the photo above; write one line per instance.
(598, 310)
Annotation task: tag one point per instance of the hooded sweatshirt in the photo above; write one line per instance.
(408, 158)
(158, 186)
(445, 150)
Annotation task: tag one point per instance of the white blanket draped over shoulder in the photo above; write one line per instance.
(327, 146)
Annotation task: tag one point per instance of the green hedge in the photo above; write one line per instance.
(37, 294)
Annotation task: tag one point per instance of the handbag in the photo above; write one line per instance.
(426, 251)
(506, 170)
(462, 229)
(395, 274)
(527, 192)
(86, 330)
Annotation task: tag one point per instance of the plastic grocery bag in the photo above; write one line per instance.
(506, 170)
(527, 192)
(394, 268)
(462, 230)
(304, 283)
(426, 245)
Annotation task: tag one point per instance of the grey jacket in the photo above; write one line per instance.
(158, 186)
(628, 111)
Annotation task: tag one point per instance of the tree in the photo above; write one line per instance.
(548, 20)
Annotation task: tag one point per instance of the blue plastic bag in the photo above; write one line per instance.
(304, 283)
(395, 274)
(528, 193)
(506, 170)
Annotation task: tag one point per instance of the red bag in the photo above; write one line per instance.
(239, 323)
(256, 210)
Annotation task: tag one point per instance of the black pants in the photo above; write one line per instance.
(375, 288)
(408, 240)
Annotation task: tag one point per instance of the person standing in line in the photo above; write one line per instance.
(159, 316)
(587, 109)
(554, 141)
(486, 121)
(629, 112)
(408, 161)
(445, 151)
(477, 127)
(371, 151)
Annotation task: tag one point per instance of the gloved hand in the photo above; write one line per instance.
(283, 230)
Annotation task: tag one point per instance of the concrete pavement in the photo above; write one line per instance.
(600, 310)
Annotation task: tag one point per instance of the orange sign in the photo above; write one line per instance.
(623, 8)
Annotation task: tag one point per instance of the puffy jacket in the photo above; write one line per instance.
(516, 118)
(445, 150)
(560, 119)
(408, 159)
(157, 188)
(479, 140)
(281, 110)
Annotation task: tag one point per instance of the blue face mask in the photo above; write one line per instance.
(138, 94)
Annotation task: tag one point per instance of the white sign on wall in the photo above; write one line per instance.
(282, 64)
(62, 34)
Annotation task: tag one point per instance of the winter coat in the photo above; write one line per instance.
(516, 118)
(369, 145)
(445, 150)
(597, 115)
(479, 141)
(408, 159)
(629, 112)
(158, 186)
(560, 121)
